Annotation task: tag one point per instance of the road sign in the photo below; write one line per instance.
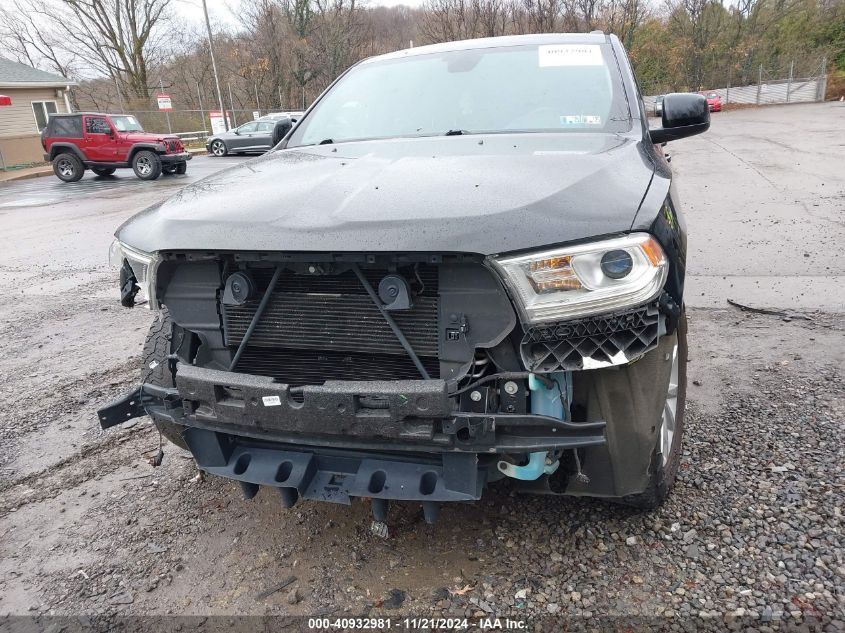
(256, 115)
(164, 102)
(218, 123)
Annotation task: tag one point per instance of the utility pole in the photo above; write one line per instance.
(759, 83)
(166, 112)
(281, 105)
(214, 67)
(257, 102)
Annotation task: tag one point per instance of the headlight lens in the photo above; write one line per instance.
(585, 279)
(143, 265)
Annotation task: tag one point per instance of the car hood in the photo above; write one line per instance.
(147, 137)
(482, 194)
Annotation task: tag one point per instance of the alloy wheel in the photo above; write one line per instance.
(144, 166)
(65, 168)
(217, 148)
(670, 411)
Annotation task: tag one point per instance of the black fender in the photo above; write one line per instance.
(137, 147)
(63, 147)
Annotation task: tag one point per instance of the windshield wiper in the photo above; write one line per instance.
(457, 132)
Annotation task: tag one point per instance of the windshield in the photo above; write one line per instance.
(126, 124)
(560, 88)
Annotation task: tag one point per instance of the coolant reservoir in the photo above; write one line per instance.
(552, 401)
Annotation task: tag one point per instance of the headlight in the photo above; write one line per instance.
(143, 265)
(585, 279)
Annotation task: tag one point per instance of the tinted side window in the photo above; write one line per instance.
(96, 125)
(66, 126)
(265, 126)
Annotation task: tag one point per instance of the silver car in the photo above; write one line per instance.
(255, 136)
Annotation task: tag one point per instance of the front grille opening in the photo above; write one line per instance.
(325, 327)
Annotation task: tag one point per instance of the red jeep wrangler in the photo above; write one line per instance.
(105, 142)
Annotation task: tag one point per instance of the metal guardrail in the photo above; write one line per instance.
(196, 135)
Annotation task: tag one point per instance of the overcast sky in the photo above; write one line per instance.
(225, 12)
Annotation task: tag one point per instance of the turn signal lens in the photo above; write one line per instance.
(553, 274)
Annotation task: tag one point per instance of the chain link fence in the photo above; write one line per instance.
(770, 86)
(192, 125)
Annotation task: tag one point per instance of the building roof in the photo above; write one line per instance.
(16, 75)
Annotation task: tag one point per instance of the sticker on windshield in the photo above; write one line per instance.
(580, 119)
(570, 55)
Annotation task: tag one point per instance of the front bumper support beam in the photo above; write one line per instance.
(135, 403)
(402, 415)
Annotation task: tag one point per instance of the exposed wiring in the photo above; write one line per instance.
(505, 375)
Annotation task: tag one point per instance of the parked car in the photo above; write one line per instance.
(714, 101)
(658, 105)
(464, 264)
(104, 143)
(274, 116)
(254, 136)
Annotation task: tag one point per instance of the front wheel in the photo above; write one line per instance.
(666, 457)
(181, 168)
(146, 165)
(218, 148)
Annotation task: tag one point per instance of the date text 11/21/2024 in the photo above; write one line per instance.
(415, 624)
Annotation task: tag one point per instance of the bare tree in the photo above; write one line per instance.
(26, 40)
(118, 38)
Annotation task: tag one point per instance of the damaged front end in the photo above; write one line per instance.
(411, 376)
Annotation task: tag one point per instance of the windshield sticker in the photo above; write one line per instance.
(570, 55)
(580, 119)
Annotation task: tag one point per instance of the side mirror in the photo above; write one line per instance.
(684, 114)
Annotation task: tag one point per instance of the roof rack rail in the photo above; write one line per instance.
(597, 32)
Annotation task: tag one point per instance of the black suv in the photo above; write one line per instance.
(465, 263)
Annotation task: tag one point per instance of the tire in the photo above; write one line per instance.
(146, 165)
(182, 168)
(664, 472)
(218, 148)
(68, 167)
(103, 171)
(156, 369)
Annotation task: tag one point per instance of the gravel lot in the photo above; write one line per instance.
(751, 536)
